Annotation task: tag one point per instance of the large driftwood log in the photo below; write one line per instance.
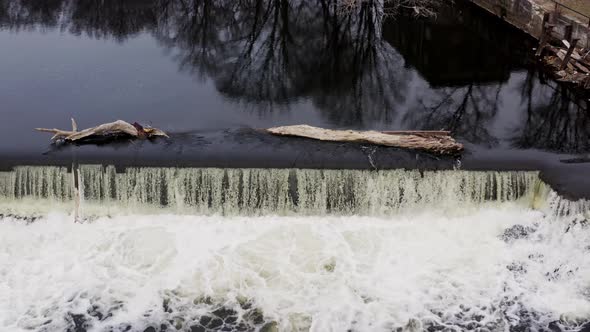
(439, 142)
(107, 130)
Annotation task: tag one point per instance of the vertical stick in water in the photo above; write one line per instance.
(77, 183)
(77, 194)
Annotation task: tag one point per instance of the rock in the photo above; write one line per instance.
(517, 267)
(330, 267)
(95, 312)
(204, 320)
(203, 300)
(244, 302)
(223, 313)
(79, 322)
(270, 327)
(122, 328)
(178, 323)
(241, 327)
(414, 325)
(27, 219)
(166, 305)
(150, 329)
(215, 323)
(585, 328)
(584, 223)
(255, 316)
(555, 326)
(516, 232)
(197, 328)
(432, 328)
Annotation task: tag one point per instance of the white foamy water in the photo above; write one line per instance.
(299, 250)
(305, 273)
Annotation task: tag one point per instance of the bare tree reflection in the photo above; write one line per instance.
(271, 53)
(280, 51)
(560, 123)
(198, 31)
(465, 111)
(364, 78)
(25, 14)
(95, 18)
(114, 19)
(263, 58)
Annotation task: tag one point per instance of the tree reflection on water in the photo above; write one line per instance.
(269, 54)
(561, 123)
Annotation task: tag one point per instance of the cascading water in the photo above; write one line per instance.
(290, 250)
(250, 192)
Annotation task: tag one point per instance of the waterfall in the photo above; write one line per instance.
(210, 191)
(563, 207)
(178, 248)
(36, 182)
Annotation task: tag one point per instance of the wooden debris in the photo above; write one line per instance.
(439, 142)
(107, 131)
(564, 61)
(568, 55)
(545, 37)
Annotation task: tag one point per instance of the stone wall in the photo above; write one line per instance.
(527, 15)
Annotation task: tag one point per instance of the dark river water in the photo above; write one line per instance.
(209, 72)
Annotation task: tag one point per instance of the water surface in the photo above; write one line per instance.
(215, 65)
(211, 72)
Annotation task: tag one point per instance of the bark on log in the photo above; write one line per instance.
(439, 142)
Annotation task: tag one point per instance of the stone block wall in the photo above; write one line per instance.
(527, 15)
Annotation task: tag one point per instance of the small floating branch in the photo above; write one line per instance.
(106, 131)
(439, 142)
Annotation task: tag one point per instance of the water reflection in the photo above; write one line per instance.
(466, 111)
(456, 72)
(274, 52)
(119, 20)
(562, 123)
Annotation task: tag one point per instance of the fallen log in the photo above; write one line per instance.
(106, 131)
(439, 142)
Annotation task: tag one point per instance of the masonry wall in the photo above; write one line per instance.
(527, 15)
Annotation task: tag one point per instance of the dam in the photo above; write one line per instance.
(221, 227)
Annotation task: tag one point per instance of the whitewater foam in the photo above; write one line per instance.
(318, 250)
(333, 274)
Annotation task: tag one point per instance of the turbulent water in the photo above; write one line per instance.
(290, 250)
